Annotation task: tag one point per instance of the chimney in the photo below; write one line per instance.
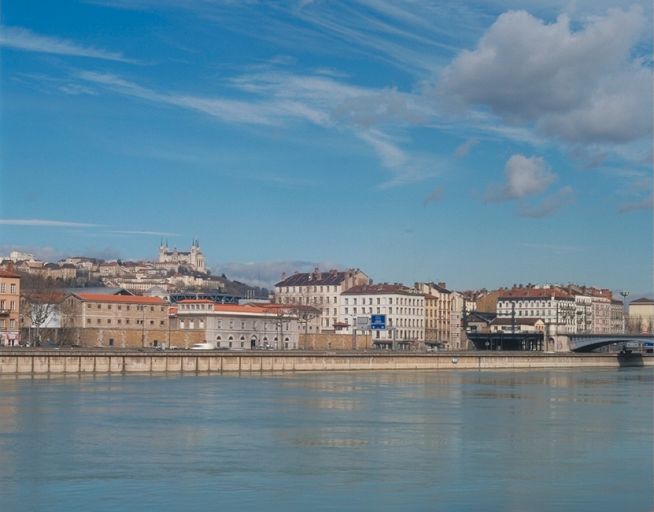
(441, 284)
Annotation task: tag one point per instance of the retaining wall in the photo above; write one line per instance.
(35, 362)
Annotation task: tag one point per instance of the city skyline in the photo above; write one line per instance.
(481, 143)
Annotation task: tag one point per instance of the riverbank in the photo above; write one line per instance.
(57, 362)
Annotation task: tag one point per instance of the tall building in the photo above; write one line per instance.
(9, 308)
(438, 313)
(320, 290)
(193, 259)
(404, 308)
(555, 306)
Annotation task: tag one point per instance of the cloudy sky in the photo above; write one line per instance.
(482, 143)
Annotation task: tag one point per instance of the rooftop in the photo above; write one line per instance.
(382, 289)
(123, 299)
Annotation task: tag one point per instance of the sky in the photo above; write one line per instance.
(480, 143)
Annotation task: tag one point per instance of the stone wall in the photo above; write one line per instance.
(334, 342)
(135, 338)
(36, 362)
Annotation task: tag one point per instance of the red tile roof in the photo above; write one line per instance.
(534, 293)
(238, 308)
(6, 273)
(124, 299)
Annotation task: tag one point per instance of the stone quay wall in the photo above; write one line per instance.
(46, 362)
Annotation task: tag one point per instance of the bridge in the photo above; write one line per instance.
(589, 342)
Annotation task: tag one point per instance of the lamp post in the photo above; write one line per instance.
(624, 294)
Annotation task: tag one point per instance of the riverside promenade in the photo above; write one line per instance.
(96, 361)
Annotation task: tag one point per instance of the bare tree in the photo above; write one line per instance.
(40, 302)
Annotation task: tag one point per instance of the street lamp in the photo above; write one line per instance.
(624, 294)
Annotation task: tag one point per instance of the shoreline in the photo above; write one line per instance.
(100, 361)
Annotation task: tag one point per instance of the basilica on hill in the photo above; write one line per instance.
(193, 259)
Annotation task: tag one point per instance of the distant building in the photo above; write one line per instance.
(641, 315)
(404, 308)
(438, 313)
(520, 325)
(9, 308)
(556, 307)
(239, 327)
(193, 259)
(103, 320)
(320, 290)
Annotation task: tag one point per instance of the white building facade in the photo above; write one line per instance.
(320, 290)
(404, 309)
(240, 327)
(555, 307)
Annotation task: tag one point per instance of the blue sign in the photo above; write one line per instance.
(377, 322)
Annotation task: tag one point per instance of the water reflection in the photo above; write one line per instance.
(518, 440)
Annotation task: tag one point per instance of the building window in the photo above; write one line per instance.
(13, 288)
(108, 320)
(98, 321)
(111, 342)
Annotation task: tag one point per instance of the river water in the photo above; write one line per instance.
(565, 440)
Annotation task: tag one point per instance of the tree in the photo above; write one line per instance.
(40, 302)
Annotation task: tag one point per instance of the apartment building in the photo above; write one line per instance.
(438, 312)
(9, 308)
(404, 308)
(555, 306)
(320, 290)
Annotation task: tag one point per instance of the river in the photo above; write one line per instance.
(545, 440)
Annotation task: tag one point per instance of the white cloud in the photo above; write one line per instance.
(26, 40)
(580, 86)
(524, 176)
(465, 148)
(549, 204)
(279, 98)
(45, 223)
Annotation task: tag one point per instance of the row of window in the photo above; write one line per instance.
(12, 305)
(399, 311)
(120, 321)
(12, 288)
(127, 307)
(305, 289)
(402, 301)
(3, 324)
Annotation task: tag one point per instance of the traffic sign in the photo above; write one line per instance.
(362, 323)
(378, 322)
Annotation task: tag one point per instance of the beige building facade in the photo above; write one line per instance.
(240, 327)
(320, 290)
(9, 308)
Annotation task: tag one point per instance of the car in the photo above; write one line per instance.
(203, 346)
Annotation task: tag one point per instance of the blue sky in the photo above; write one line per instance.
(482, 143)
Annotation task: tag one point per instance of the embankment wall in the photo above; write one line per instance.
(35, 362)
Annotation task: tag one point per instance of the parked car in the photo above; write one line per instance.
(203, 346)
